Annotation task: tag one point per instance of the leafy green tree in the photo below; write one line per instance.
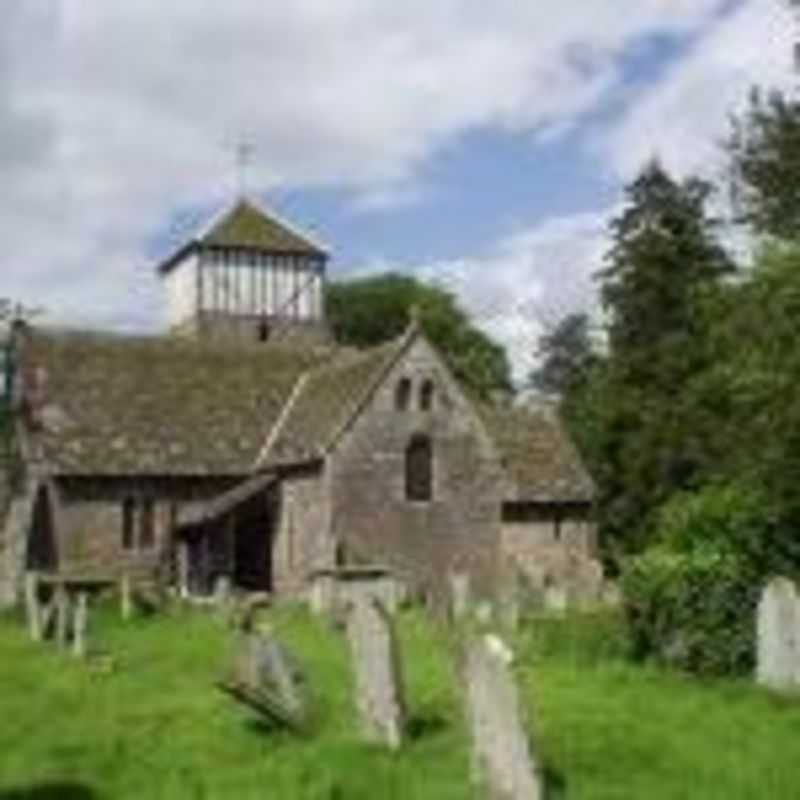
(369, 311)
(664, 266)
(764, 159)
(757, 371)
(565, 356)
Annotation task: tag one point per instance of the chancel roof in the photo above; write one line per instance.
(540, 461)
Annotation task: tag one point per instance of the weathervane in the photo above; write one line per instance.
(245, 151)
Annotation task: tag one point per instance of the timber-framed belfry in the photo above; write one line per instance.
(246, 446)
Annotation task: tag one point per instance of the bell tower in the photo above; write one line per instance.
(249, 275)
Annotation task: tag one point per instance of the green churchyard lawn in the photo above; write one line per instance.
(144, 720)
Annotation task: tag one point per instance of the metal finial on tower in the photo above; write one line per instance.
(245, 150)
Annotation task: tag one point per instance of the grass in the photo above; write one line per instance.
(153, 726)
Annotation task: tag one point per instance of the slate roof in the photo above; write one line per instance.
(121, 405)
(248, 226)
(540, 460)
(325, 400)
(110, 405)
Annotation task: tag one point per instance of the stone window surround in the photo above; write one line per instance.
(402, 394)
(416, 492)
(404, 391)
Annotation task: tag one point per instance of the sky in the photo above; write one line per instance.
(482, 146)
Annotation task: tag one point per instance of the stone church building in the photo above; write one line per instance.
(246, 444)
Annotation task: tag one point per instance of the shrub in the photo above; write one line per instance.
(694, 610)
(690, 599)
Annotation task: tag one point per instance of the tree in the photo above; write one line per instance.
(369, 311)
(764, 159)
(565, 355)
(664, 265)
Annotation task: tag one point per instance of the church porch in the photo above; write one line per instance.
(230, 538)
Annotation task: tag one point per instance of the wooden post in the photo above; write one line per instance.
(183, 568)
(62, 614)
(81, 620)
(125, 599)
(32, 606)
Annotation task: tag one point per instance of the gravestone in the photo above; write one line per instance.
(125, 597)
(269, 681)
(81, 622)
(779, 636)
(509, 602)
(460, 598)
(501, 757)
(379, 692)
(32, 606)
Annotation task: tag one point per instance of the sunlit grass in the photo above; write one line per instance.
(147, 722)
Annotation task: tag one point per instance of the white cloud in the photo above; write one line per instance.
(116, 114)
(529, 281)
(684, 118)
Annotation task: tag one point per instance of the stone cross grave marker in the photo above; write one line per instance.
(502, 761)
(779, 636)
(379, 691)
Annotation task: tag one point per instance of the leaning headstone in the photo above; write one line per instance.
(502, 761)
(379, 692)
(779, 635)
(269, 681)
(509, 602)
(459, 595)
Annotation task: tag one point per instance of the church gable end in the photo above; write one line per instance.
(416, 484)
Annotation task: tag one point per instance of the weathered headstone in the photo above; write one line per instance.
(509, 602)
(460, 598)
(81, 620)
(269, 681)
(556, 597)
(779, 635)
(501, 756)
(32, 606)
(379, 691)
(484, 612)
(125, 597)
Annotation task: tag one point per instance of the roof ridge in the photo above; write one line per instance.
(401, 343)
(282, 417)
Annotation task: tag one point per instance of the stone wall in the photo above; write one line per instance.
(303, 543)
(89, 520)
(554, 547)
(459, 528)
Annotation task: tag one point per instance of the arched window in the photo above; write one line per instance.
(426, 396)
(419, 469)
(402, 394)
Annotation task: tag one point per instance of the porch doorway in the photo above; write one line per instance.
(231, 537)
(253, 536)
